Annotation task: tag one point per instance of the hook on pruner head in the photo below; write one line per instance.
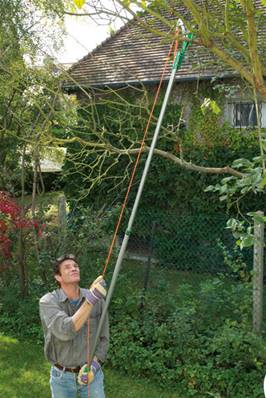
(180, 25)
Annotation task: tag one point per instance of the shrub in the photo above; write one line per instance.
(194, 339)
(198, 341)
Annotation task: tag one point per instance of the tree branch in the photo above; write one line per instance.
(252, 44)
(209, 43)
(189, 165)
(106, 146)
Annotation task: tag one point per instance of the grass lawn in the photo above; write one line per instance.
(25, 374)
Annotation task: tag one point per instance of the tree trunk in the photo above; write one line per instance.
(21, 244)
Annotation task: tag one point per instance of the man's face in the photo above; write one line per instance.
(69, 272)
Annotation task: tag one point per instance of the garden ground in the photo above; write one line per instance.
(25, 374)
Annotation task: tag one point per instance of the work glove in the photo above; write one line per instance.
(97, 291)
(86, 375)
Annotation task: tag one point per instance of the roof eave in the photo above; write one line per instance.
(194, 77)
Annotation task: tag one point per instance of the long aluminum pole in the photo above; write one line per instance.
(133, 213)
(176, 65)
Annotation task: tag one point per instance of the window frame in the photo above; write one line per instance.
(232, 113)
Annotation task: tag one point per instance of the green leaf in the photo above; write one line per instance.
(227, 179)
(224, 188)
(257, 217)
(79, 3)
(205, 104)
(232, 223)
(209, 104)
(241, 162)
(210, 188)
(143, 4)
(223, 197)
(126, 3)
(263, 182)
(215, 108)
(247, 241)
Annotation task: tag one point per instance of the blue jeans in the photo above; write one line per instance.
(65, 385)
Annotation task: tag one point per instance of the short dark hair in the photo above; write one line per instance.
(59, 261)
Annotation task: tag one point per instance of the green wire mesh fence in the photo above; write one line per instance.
(193, 243)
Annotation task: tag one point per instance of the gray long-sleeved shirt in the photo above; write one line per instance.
(63, 345)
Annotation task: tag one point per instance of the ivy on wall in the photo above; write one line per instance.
(205, 139)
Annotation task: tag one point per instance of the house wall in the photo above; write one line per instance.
(226, 92)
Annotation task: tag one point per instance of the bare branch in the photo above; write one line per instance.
(192, 166)
(252, 43)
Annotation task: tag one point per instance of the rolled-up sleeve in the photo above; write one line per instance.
(56, 320)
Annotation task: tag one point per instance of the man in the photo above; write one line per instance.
(68, 315)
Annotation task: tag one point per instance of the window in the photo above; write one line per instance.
(242, 114)
(245, 115)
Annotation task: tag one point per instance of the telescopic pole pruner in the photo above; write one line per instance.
(176, 65)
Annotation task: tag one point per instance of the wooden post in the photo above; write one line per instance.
(148, 264)
(258, 273)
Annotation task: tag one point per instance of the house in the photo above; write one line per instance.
(135, 56)
(52, 160)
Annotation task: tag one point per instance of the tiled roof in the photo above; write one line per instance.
(134, 55)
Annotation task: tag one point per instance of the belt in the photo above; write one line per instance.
(72, 370)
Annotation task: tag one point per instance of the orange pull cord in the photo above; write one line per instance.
(176, 48)
(174, 44)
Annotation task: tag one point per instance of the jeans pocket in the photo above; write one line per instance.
(56, 373)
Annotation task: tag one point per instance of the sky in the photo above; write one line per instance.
(83, 35)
